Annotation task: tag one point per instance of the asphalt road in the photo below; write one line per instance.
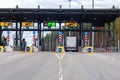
(44, 66)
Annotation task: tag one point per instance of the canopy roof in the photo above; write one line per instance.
(97, 16)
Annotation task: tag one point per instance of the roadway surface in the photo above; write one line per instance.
(44, 66)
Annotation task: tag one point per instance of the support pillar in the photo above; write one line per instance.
(16, 36)
(20, 36)
(113, 33)
(109, 35)
(39, 36)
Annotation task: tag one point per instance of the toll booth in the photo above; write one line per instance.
(69, 21)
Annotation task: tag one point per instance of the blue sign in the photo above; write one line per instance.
(60, 33)
(59, 49)
(27, 49)
(89, 50)
(85, 33)
(34, 32)
(8, 32)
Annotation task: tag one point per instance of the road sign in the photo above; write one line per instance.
(51, 24)
(89, 50)
(60, 38)
(86, 38)
(34, 39)
(60, 33)
(60, 49)
(85, 33)
(8, 38)
(34, 32)
(29, 49)
(8, 32)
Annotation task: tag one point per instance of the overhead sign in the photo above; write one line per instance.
(51, 24)
(6, 24)
(29, 24)
(71, 24)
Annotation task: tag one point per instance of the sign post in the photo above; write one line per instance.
(60, 38)
(60, 52)
(8, 36)
(34, 39)
(118, 45)
(86, 38)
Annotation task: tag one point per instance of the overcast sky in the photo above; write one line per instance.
(56, 3)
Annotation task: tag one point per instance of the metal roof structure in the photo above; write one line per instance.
(98, 17)
(85, 15)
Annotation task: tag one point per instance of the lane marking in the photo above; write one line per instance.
(60, 57)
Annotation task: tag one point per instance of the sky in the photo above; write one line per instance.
(56, 3)
(44, 4)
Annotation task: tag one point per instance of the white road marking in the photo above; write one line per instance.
(60, 57)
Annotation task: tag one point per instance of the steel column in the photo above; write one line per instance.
(16, 34)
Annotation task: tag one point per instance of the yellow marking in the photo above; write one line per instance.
(1, 49)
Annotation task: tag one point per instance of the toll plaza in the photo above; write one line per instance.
(71, 22)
